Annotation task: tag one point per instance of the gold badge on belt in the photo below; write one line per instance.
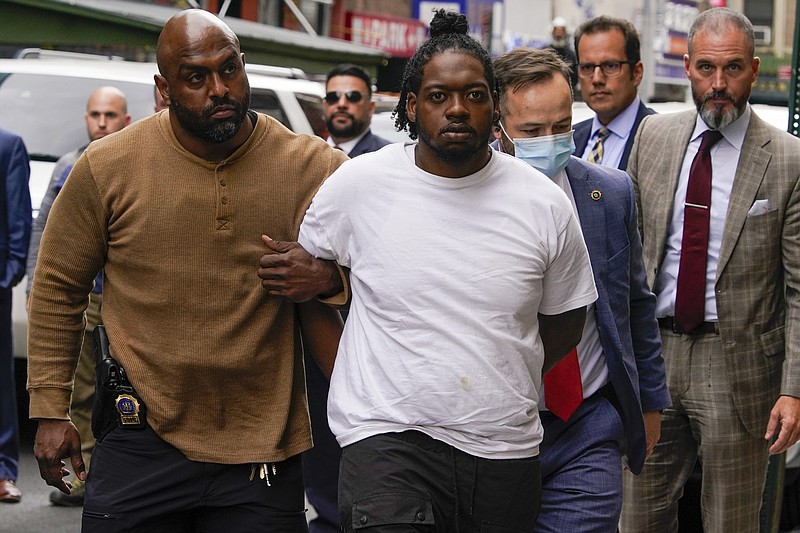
(128, 409)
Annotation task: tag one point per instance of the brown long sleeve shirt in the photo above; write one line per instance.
(216, 360)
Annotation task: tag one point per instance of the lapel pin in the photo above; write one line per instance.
(595, 195)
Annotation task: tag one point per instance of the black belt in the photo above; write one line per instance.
(704, 328)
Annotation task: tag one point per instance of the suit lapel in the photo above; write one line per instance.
(581, 137)
(641, 112)
(592, 214)
(360, 146)
(750, 174)
(665, 183)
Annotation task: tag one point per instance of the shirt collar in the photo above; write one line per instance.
(348, 146)
(733, 133)
(622, 124)
(561, 178)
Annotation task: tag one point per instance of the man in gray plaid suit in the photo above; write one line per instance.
(734, 369)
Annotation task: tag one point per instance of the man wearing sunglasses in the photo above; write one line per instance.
(348, 111)
(610, 71)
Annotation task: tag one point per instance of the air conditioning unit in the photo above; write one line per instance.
(763, 35)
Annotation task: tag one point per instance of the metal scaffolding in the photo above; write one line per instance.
(794, 101)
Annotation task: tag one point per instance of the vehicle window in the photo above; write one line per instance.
(383, 126)
(312, 107)
(47, 111)
(266, 101)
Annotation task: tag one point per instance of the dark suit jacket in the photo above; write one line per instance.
(583, 130)
(758, 270)
(15, 208)
(368, 143)
(625, 306)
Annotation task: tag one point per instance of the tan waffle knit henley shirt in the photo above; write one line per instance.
(215, 359)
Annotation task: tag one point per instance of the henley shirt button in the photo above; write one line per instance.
(363, 520)
(221, 183)
(224, 201)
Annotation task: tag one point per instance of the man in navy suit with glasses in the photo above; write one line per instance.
(610, 70)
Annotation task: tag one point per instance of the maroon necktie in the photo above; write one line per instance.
(691, 291)
(563, 390)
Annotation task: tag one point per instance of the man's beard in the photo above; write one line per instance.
(715, 118)
(202, 127)
(456, 153)
(355, 128)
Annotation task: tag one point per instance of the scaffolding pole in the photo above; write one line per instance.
(794, 101)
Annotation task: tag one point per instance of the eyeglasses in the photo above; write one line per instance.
(608, 68)
(353, 97)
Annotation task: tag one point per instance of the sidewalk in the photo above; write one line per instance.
(35, 514)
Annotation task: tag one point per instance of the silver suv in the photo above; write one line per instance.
(44, 101)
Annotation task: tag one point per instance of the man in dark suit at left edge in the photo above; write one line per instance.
(15, 234)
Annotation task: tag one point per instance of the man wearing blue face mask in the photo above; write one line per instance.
(604, 401)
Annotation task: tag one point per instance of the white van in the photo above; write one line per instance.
(44, 101)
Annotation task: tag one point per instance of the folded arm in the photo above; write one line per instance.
(321, 328)
(560, 334)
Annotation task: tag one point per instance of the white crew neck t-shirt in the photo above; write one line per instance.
(447, 277)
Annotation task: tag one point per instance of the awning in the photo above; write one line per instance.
(113, 23)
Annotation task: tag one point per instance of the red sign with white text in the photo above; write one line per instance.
(399, 37)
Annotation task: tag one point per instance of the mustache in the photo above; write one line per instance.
(717, 95)
(457, 127)
(220, 102)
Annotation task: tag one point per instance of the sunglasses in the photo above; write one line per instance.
(352, 96)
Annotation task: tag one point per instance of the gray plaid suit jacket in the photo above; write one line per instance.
(758, 276)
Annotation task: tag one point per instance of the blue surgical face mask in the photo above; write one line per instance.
(548, 154)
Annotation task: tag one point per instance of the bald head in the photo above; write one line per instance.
(106, 112)
(186, 32)
(108, 94)
(202, 77)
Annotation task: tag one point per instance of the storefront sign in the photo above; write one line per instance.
(674, 17)
(399, 37)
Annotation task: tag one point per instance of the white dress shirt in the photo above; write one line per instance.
(619, 131)
(591, 359)
(347, 146)
(724, 160)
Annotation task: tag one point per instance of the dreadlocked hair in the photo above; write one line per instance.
(448, 32)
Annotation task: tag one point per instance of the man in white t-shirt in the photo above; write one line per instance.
(469, 276)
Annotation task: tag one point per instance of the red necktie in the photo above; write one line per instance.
(563, 390)
(691, 288)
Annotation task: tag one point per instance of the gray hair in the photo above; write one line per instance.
(719, 19)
